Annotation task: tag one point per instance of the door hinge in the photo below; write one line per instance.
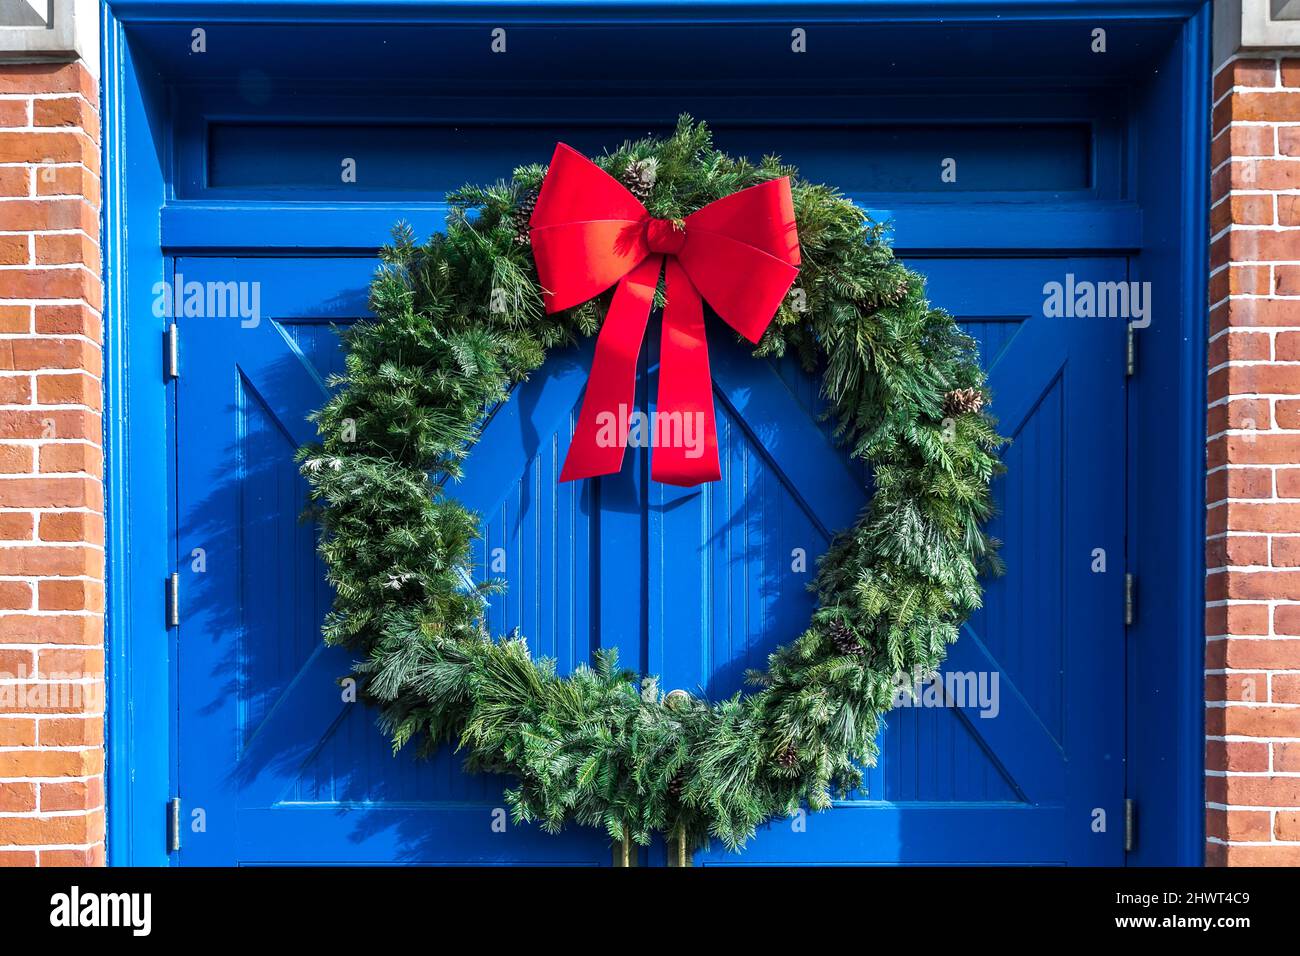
(174, 600)
(1130, 352)
(173, 824)
(1130, 824)
(1130, 599)
(173, 348)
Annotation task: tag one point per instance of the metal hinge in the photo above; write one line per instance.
(173, 349)
(1130, 353)
(174, 600)
(1130, 600)
(173, 824)
(1130, 824)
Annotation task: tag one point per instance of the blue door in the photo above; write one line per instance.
(276, 765)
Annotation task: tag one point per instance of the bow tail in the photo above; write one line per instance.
(598, 440)
(686, 436)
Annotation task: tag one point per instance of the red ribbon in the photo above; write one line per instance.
(739, 254)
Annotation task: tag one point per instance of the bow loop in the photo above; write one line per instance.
(740, 254)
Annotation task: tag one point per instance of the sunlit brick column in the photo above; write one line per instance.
(1253, 490)
(51, 469)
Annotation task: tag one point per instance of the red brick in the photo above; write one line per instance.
(16, 459)
(1238, 825)
(15, 318)
(1236, 551)
(66, 111)
(71, 458)
(70, 663)
(1287, 826)
(72, 795)
(16, 525)
(70, 596)
(67, 248)
(1247, 210)
(67, 320)
(71, 731)
(1258, 516)
(1288, 211)
(1240, 756)
(43, 215)
(13, 113)
(14, 251)
(17, 857)
(1251, 687)
(69, 181)
(49, 629)
(1288, 348)
(49, 78)
(51, 763)
(72, 283)
(70, 389)
(1280, 107)
(1286, 756)
(1288, 413)
(1259, 855)
(36, 831)
(1261, 721)
(17, 797)
(1249, 73)
(59, 561)
(1263, 449)
(72, 526)
(51, 493)
(1247, 654)
(17, 732)
(1288, 482)
(15, 181)
(90, 856)
(1249, 280)
(33, 354)
(1262, 791)
(1286, 552)
(1286, 279)
(1236, 619)
(70, 146)
(15, 595)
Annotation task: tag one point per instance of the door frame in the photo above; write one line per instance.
(1163, 228)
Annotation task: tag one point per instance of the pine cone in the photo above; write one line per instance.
(520, 215)
(788, 758)
(962, 400)
(845, 641)
(639, 177)
(677, 784)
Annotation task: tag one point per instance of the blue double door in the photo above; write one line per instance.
(1021, 762)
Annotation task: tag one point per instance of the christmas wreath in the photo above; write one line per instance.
(463, 317)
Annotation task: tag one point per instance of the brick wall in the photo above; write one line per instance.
(1253, 454)
(51, 498)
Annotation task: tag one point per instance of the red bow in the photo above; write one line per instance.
(740, 254)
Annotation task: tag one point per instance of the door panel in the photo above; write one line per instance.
(281, 767)
(694, 584)
(963, 784)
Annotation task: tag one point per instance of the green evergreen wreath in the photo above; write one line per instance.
(459, 322)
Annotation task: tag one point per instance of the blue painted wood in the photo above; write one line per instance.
(262, 719)
(314, 227)
(693, 584)
(1051, 631)
(1159, 210)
